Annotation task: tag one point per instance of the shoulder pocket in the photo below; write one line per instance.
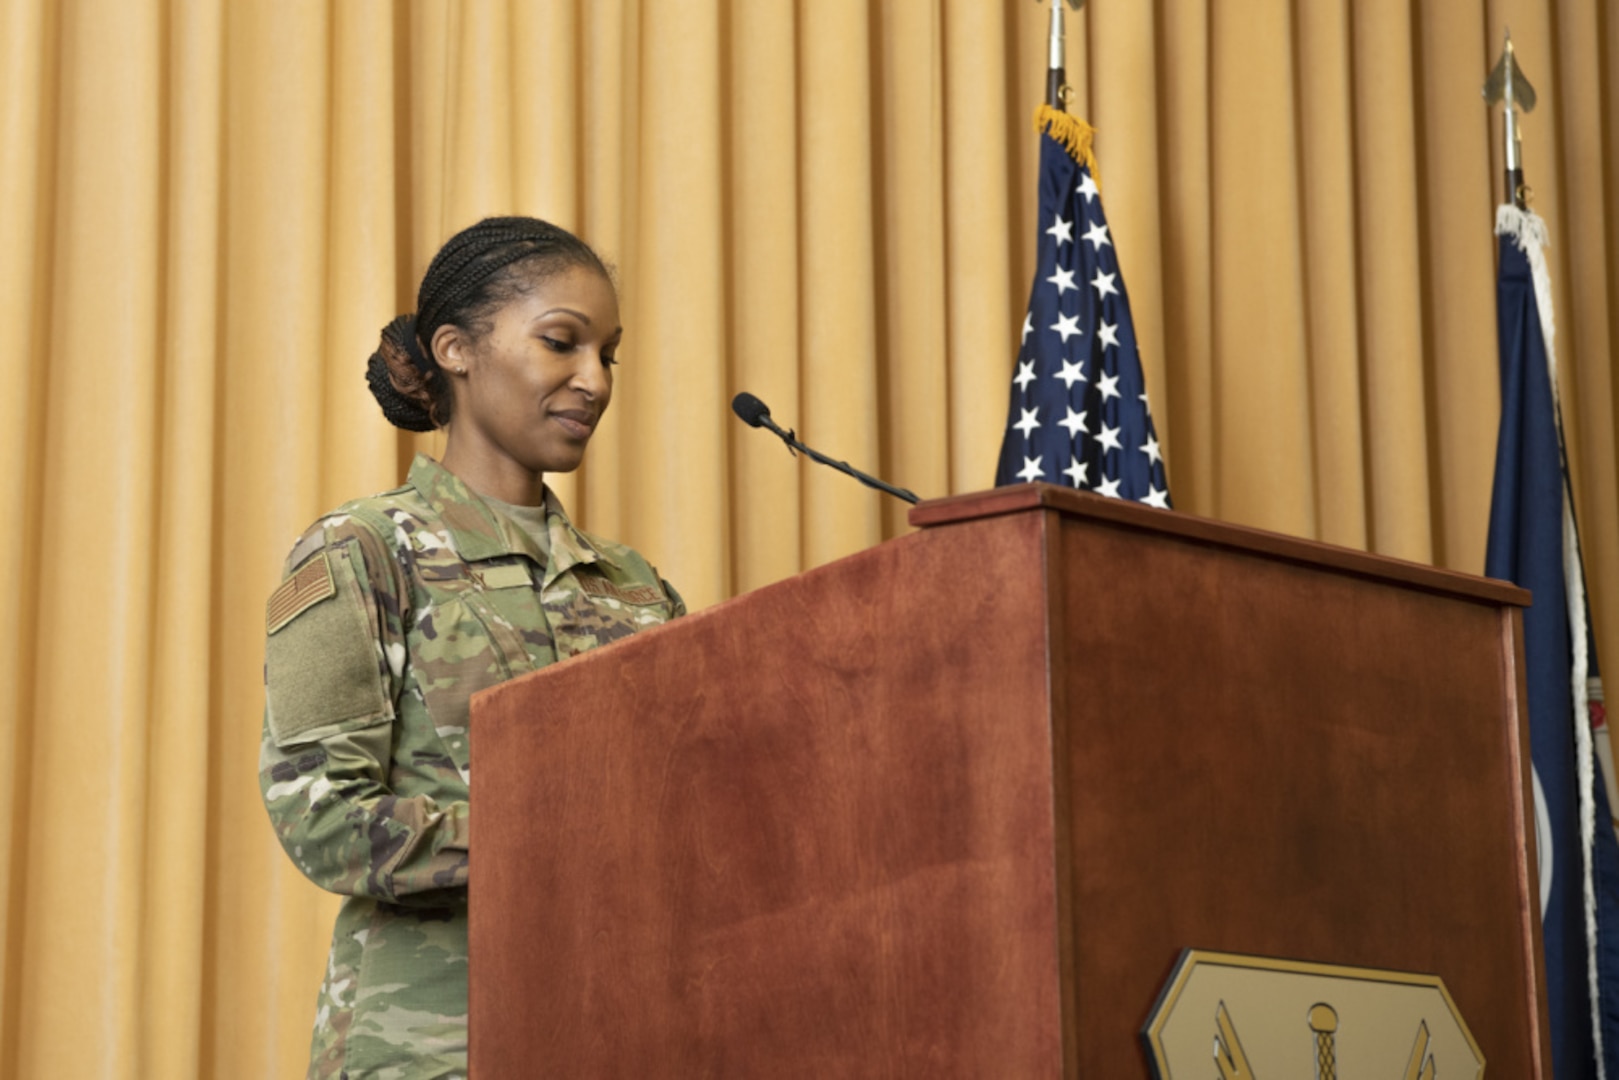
(323, 667)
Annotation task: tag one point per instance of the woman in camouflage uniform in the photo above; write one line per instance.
(395, 609)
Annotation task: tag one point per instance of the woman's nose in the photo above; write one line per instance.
(590, 377)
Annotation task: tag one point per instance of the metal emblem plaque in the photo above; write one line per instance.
(1233, 1017)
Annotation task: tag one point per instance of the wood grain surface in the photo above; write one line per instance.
(808, 833)
(951, 807)
(1270, 759)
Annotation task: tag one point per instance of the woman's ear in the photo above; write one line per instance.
(451, 349)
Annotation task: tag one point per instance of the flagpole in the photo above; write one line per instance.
(1057, 89)
(1508, 86)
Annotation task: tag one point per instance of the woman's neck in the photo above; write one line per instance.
(498, 477)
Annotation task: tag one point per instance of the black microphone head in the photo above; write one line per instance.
(752, 411)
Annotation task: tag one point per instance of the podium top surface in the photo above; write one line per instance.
(1020, 498)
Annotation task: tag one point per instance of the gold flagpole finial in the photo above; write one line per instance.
(1508, 85)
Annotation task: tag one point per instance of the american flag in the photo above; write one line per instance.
(1079, 414)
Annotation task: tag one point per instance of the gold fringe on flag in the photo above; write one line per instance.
(1075, 135)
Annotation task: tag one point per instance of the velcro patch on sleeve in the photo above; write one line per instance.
(309, 586)
(324, 671)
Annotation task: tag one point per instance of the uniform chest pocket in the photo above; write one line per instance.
(508, 602)
(500, 595)
(479, 627)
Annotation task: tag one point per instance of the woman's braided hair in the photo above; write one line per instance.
(477, 270)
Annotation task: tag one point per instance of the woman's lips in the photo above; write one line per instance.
(576, 422)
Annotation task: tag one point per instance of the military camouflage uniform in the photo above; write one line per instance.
(393, 612)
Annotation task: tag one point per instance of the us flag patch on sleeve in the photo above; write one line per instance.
(310, 585)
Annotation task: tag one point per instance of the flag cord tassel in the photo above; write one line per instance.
(1075, 135)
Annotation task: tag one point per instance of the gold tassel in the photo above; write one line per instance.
(1075, 135)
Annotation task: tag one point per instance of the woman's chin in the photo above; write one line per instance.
(560, 463)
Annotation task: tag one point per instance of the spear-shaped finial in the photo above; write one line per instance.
(1056, 86)
(1508, 85)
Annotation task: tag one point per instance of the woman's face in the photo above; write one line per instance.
(529, 393)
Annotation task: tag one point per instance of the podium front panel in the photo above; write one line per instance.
(807, 833)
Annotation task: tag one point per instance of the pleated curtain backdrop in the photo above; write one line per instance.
(209, 208)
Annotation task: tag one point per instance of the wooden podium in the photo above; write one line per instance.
(953, 806)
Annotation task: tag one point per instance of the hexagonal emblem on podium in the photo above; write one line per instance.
(1254, 1018)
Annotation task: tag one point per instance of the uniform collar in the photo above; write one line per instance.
(477, 531)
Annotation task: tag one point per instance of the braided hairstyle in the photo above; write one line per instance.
(476, 272)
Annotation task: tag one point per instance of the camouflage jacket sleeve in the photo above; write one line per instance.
(335, 660)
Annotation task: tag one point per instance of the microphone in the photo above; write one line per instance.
(756, 413)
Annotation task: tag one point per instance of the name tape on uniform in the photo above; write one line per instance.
(638, 594)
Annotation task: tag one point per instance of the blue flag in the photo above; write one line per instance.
(1533, 542)
(1079, 413)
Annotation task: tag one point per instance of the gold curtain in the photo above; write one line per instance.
(209, 208)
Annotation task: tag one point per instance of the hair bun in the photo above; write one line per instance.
(399, 374)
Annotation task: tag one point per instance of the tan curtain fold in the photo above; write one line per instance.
(1263, 455)
(26, 68)
(209, 209)
(760, 193)
(1458, 263)
(1328, 153)
(980, 123)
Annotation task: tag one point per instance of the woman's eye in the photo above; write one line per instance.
(557, 345)
(609, 360)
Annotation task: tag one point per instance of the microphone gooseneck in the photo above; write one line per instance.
(756, 413)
